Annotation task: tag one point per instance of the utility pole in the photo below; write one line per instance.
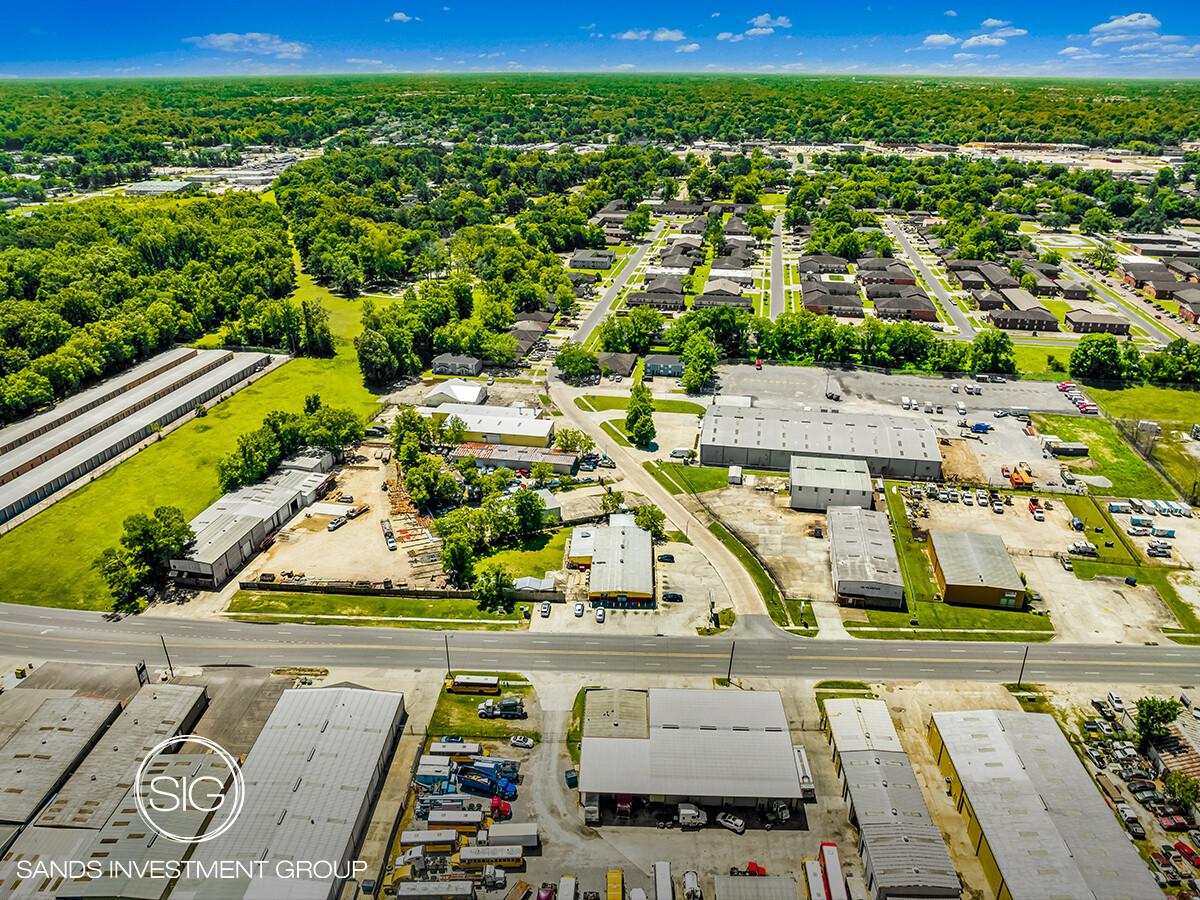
(447, 638)
(729, 674)
(167, 655)
(1022, 673)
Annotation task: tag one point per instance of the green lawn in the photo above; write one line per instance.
(1093, 516)
(953, 622)
(457, 714)
(306, 604)
(652, 466)
(616, 430)
(725, 619)
(1034, 362)
(1129, 473)
(47, 560)
(1149, 402)
(762, 580)
(603, 403)
(1060, 308)
(535, 556)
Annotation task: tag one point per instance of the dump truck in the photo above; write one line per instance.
(472, 781)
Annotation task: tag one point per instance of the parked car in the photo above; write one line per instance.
(521, 740)
(335, 524)
(733, 823)
(666, 557)
(671, 597)
(1173, 823)
(579, 610)
(600, 614)
(545, 609)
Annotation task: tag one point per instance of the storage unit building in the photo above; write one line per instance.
(866, 570)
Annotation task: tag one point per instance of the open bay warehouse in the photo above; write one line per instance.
(760, 438)
(672, 746)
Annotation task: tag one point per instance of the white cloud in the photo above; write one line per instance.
(950, 12)
(1067, 51)
(633, 34)
(625, 66)
(399, 17)
(937, 41)
(251, 42)
(966, 55)
(1010, 32)
(127, 70)
(983, 40)
(365, 62)
(731, 37)
(759, 32)
(687, 48)
(993, 23)
(669, 34)
(1131, 22)
(765, 21)
(716, 15)
(591, 27)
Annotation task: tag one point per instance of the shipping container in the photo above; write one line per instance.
(477, 857)
(808, 790)
(522, 834)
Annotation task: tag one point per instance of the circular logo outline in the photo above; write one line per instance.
(239, 786)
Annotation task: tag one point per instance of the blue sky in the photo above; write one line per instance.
(1059, 38)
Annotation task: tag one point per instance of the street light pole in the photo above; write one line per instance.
(729, 674)
(167, 655)
(447, 638)
(1022, 673)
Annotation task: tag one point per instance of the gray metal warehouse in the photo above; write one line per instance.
(670, 746)
(93, 793)
(233, 529)
(48, 478)
(818, 482)
(866, 570)
(902, 850)
(320, 761)
(759, 438)
(41, 753)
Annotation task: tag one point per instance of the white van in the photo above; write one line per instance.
(960, 408)
(905, 403)
(680, 453)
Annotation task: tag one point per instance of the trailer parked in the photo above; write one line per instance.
(434, 840)
(510, 834)
(476, 857)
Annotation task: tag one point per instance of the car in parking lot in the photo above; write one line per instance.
(579, 610)
(1188, 853)
(600, 614)
(734, 823)
(521, 740)
(666, 557)
(672, 597)
(1095, 756)
(545, 609)
(1173, 823)
(335, 524)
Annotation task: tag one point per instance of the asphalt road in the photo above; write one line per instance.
(777, 293)
(966, 329)
(606, 299)
(759, 650)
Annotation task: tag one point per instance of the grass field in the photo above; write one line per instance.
(616, 431)
(602, 402)
(762, 580)
(1087, 509)
(1174, 409)
(536, 556)
(350, 606)
(1034, 362)
(456, 714)
(47, 560)
(1130, 475)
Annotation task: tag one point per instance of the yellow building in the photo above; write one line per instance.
(975, 570)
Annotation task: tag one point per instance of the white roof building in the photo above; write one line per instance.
(457, 390)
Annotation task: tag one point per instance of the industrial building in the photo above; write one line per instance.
(37, 846)
(45, 748)
(766, 887)
(1033, 814)
(457, 390)
(74, 463)
(518, 426)
(622, 568)
(517, 459)
(156, 188)
(902, 850)
(236, 526)
(38, 450)
(866, 570)
(670, 746)
(77, 404)
(975, 570)
(125, 840)
(101, 781)
(758, 438)
(311, 779)
(818, 482)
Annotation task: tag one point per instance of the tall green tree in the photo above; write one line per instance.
(1154, 714)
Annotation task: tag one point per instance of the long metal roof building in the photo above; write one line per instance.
(902, 849)
(688, 745)
(863, 555)
(37, 846)
(760, 438)
(622, 562)
(96, 789)
(1039, 823)
(40, 754)
(311, 779)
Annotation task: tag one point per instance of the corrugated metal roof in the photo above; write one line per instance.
(861, 546)
(156, 713)
(310, 777)
(40, 754)
(829, 473)
(1046, 824)
(771, 887)
(861, 725)
(699, 744)
(39, 845)
(622, 561)
(969, 558)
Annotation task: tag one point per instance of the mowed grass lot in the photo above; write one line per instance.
(1174, 409)
(1034, 362)
(602, 402)
(352, 606)
(458, 713)
(47, 561)
(950, 622)
(1130, 475)
(535, 556)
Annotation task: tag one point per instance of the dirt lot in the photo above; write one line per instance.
(1102, 609)
(356, 551)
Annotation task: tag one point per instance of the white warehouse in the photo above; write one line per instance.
(817, 482)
